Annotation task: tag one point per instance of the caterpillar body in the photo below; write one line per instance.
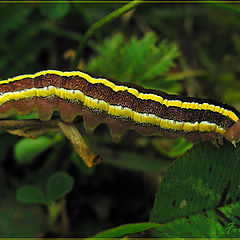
(121, 105)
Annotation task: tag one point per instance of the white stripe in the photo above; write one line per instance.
(134, 115)
(115, 88)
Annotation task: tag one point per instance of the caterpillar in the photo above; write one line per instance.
(120, 105)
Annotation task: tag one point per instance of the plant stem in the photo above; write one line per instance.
(72, 133)
(110, 17)
(54, 210)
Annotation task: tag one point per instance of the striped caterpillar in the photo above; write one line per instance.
(121, 105)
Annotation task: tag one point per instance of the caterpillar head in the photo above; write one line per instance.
(233, 133)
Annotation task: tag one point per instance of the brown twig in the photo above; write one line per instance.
(34, 128)
(71, 132)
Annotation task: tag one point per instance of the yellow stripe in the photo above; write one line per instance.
(113, 110)
(143, 96)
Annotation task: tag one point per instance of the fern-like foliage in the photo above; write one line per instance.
(144, 61)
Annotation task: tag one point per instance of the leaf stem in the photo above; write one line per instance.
(54, 210)
(110, 17)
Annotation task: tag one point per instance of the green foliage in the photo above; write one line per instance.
(178, 148)
(198, 197)
(210, 223)
(143, 61)
(20, 43)
(55, 11)
(59, 185)
(28, 149)
(13, 18)
(201, 186)
(124, 230)
(31, 194)
(184, 49)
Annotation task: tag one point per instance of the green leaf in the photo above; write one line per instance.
(218, 223)
(179, 147)
(55, 11)
(59, 185)
(206, 178)
(125, 230)
(31, 194)
(143, 61)
(27, 149)
(182, 145)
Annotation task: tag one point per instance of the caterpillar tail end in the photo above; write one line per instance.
(233, 133)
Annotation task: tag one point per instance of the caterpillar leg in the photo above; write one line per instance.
(233, 133)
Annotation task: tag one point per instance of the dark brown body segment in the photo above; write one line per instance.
(71, 108)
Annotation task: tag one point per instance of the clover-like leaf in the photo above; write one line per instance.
(59, 185)
(31, 194)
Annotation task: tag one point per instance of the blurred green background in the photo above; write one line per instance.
(189, 49)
